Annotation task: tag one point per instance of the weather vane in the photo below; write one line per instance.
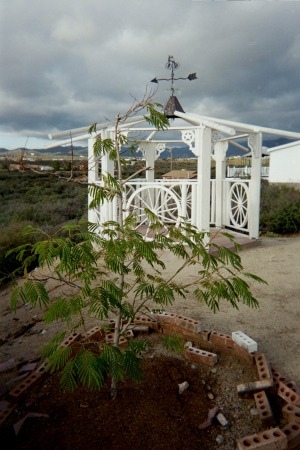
(173, 65)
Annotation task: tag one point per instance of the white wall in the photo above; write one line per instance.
(285, 163)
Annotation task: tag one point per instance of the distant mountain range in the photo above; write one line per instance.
(177, 152)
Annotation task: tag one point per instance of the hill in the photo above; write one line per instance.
(177, 152)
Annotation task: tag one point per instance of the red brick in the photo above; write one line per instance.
(201, 356)
(221, 339)
(288, 394)
(292, 432)
(148, 321)
(140, 329)
(187, 324)
(164, 318)
(22, 388)
(94, 334)
(5, 412)
(263, 407)
(109, 339)
(277, 377)
(42, 368)
(291, 412)
(129, 334)
(205, 335)
(247, 389)
(263, 367)
(244, 354)
(273, 439)
(72, 341)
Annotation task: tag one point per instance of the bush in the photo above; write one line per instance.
(40, 200)
(279, 209)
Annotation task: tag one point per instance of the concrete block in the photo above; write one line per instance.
(244, 341)
(273, 439)
(248, 389)
(288, 394)
(22, 388)
(201, 356)
(263, 367)
(292, 432)
(291, 412)
(263, 407)
(188, 324)
(224, 340)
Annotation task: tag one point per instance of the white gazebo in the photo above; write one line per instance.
(222, 202)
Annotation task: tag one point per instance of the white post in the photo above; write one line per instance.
(255, 143)
(203, 150)
(219, 156)
(150, 157)
(92, 177)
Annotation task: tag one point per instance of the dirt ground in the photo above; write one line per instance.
(275, 327)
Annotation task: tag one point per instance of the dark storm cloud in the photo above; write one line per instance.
(67, 64)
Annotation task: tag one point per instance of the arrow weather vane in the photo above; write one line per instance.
(173, 65)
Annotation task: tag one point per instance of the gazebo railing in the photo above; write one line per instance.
(172, 199)
(236, 204)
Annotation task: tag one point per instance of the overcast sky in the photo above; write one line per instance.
(70, 63)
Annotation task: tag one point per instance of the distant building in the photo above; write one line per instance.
(285, 163)
(180, 174)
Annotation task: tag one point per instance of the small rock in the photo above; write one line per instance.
(193, 366)
(210, 396)
(208, 387)
(222, 420)
(203, 381)
(182, 387)
(188, 344)
(254, 412)
(219, 439)
(43, 332)
(213, 370)
(28, 306)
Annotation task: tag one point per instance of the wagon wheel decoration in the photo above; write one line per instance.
(159, 200)
(177, 190)
(238, 205)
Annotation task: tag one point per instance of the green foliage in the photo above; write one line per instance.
(41, 200)
(174, 342)
(280, 209)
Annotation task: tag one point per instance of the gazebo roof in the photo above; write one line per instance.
(233, 130)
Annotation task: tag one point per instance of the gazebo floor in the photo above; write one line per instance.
(241, 239)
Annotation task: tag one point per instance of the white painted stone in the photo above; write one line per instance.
(244, 341)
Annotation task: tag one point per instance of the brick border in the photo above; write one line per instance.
(286, 437)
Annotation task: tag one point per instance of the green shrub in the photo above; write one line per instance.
(40, 200)
(279, 209)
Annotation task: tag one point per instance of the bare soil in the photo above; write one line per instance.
(152, 414)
